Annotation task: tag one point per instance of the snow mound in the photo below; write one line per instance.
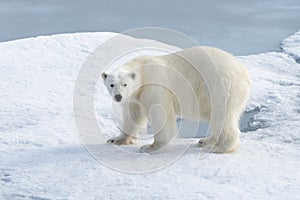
(291, 45)
(275, 95)
(42, 156)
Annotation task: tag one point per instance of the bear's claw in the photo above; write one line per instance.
(201, 142)
(120, 141)
(110, 141)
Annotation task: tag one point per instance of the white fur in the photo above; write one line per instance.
(196, 83)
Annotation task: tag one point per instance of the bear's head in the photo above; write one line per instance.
(120, 84)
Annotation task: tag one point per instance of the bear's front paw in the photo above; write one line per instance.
(146, 148)
(204, 142)
(121, 140)
(152, 148)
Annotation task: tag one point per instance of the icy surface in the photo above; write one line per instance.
(42, 156)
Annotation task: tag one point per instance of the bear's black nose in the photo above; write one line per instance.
(118, 97)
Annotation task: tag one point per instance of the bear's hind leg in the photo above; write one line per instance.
(224, 140)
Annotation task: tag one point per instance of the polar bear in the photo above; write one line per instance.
(198, 83)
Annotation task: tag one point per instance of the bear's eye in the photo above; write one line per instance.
(125, 85)
(112, 85)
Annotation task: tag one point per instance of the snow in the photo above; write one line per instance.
(291, 46)
(42, 156)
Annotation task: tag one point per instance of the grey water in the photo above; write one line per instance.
(240, 27)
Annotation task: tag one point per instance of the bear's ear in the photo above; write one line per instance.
(132, 75)
(104, 75)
